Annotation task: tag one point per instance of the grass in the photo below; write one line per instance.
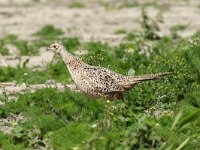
(175, 29)
(162, 114)
(24, 47)
(55, 71)
(77, 4)
(3, 49)
(110, 5)
(161, 7)
(49, 31)
(120, 31)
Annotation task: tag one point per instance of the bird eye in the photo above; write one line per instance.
(54, 46)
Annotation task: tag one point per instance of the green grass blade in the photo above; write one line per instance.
(182, 145)
(190, 118)
(178, 116)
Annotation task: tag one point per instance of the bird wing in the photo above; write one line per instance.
(100, 80)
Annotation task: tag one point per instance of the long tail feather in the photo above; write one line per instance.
(150, 76)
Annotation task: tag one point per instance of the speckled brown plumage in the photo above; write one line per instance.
(96, 81)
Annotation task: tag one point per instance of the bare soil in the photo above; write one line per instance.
(93, 22)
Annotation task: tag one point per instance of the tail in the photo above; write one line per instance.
(147, 77)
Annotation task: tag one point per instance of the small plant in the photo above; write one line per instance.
(97, 53)
(30, 137)
(150, 27)
(24, 47)
(120, 31)
(128, 4)
(77, 4)
(5, 95)
(118, 4)
(49, 31)
(175, 29)
(161, 7)
(71, 44)
(3, 49)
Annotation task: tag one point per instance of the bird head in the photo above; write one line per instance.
(56, 48)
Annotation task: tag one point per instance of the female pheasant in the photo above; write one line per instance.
(97, 81)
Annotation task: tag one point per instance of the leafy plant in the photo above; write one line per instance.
(49, 31)
(77, 4)
(150, 27)
(29, 137)
(120, 31)
(71, 44)
(3, 49)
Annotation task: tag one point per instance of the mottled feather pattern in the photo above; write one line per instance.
(97, 81)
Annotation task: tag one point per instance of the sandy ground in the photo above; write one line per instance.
(35, 62)
(89, 23)
(12, 88)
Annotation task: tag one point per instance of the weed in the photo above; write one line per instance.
(150, 27)
(3, 49)
(77, 4)
(24, 47)
(49, 31)
(120, 31)
(71, 44)
(161, 7)
(175, 29)
(29, 137)
(20, 74)
(118, 5)
(128, 4)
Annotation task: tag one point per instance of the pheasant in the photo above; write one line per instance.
(96, 81)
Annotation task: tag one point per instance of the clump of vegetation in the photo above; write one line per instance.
(49, 31)
(55, 71)
(77, 4)
(120, 31)
(161, 7)
(118, 4)
(3, 49)
(176, 29)
(71, 44)
(24, 47)
(151, 27)
(127, 4)
(77, 108)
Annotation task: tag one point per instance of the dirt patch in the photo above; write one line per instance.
(35, 62)
(92, 23)
(12, 88)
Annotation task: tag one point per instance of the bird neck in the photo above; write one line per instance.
(71, 61)
(66, 56)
